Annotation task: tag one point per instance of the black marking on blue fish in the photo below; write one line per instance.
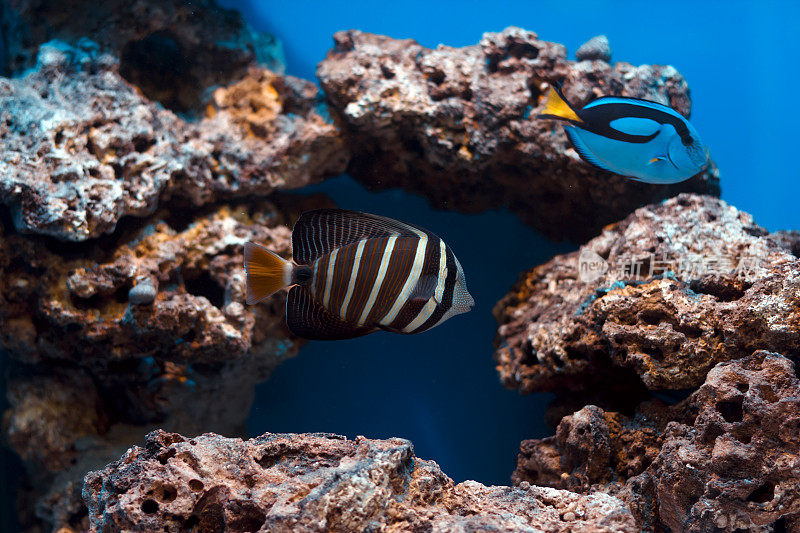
(669, 158)
(308, 319)
(580, 147)
(598, 117)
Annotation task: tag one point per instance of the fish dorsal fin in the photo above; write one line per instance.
(627, 100)
(319, 232)
(309, 319)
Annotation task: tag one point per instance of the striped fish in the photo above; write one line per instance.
(355, 273)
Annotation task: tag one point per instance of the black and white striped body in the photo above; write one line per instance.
(370, 273)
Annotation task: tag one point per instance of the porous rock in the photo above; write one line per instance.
(459, 125)
(90, 373)
(738, 465)
(72, 304)
(171, 49)
(319, 482)
(82, 147)
(593, 447)
(788, 239)
(596, 48)
(727, 458)
(711, 286)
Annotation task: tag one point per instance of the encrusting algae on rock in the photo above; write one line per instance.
(652, 310)
(130, 188)
(91, 369)
(171, 50)
(83, 148)
(726, 457)
(459, 126)
(319, 482)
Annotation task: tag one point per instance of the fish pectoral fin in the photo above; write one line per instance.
(656, 159)
(425, 288)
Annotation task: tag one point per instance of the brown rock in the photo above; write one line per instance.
(728, 457)
(319, 482)
(90, 372)
(738, 465)
(594, 449)
(82, 147)
(42, 426)
(790, 240)
(171, 49)
(565, 328)
(458, 125)
(75, 305)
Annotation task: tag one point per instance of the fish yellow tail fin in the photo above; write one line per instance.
(267, 272)
(557, 107)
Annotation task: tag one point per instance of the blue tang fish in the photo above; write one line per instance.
(642, 140)
(354, 273)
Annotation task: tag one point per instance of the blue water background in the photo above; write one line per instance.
(440, 389)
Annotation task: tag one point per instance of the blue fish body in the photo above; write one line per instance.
(642, 140)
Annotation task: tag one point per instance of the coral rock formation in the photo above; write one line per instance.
(593, 447)
(596, 48)
(665, 294)
(171, 49)
(319, 482)
(728, 457)
(459, 125)
(738, 465)
(91, 371)
(122, 309)
(75, 306)
(81, 147)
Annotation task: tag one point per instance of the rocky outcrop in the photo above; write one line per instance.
(121, 274)
(92, 369)
(596, 48)
(83, 148)
(661, 296)
(594, 447)
(73, 304)
(728, 457)
(172, 50)
(319, 482)
(459, 125)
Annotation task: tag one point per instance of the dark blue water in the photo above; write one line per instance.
(438, 388)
